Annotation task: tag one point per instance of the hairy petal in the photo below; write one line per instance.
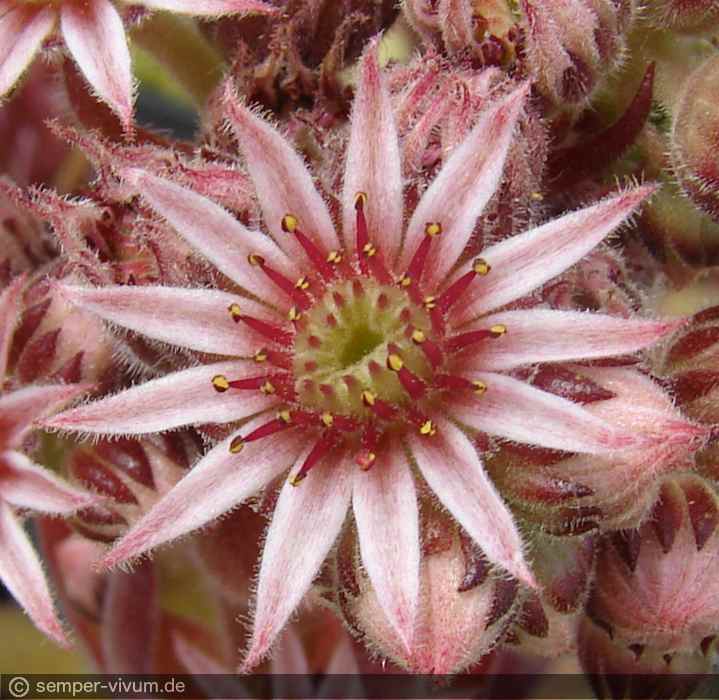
(9, 310)
(515, 410)
(541, 335)
(211, 8)
(385, 507)
(459, 193)
(223, 240)
(373, 161)
(22, 574)
(20, 408)
(281, 179)
(25, 484)
(191, 318)
(220, 481)
(177, 399)
(308, 516)
(95, 35)
(522, 263)
(452, 468)
(22, 31)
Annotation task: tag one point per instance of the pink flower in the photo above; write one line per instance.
(25, 485)
(95, 36)
(366, 358)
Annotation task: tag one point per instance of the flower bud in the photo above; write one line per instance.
(574, 494)
(683, 15)
(132, 474)
(464, 606)
(695, 137)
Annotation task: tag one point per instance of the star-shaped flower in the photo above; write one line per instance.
(25, 485)
(367, 357)
(95, 36)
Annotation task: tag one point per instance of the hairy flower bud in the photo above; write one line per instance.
(464, 605)
(695, 137)
(655, 604)
(683, 15)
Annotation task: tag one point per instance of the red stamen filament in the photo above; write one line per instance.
(268, 330)
(412, 277)
(321, 448)
(317, 258)
(459, 342)
(368, 256)
(452, 295)
(412, 384)
(298, 296)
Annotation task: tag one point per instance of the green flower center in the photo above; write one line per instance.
(344, 341)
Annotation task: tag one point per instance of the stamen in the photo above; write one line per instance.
(279, 359)
(367, 254)
(429, 347)
(321, 448)
(454, 383)
(290, 288)
(269, 330)
(412, 384)
(282, 422)
(379, 407)
(463, 340)
(280, 384)
(367, 456)
(290, 224)
(454, 293)
(416, 266)
(425, 426)
(220, 383)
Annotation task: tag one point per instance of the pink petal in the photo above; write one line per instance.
(515, 410)
(22, 574)
(211, 8)
(191, 318)
(385, 507)
(9, 310)
(25, 484)
(181, 398)
(373, 162)
(217, 483)
(304, 527)
(541, 335)
(95, 35)
(22, 31)
(19, 409)
(458, 194)
(522, 263)
(206, 226)
(452, 468)
(282, 181)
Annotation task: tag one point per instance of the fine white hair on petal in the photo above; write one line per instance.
(95, 36)
(212, 8)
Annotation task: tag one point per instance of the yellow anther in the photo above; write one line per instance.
(236, 445)
(255, 260)
(260, 356)
(394, 362)
(327, 418)
(302, 283)
(368, 398)
(481, 267)
(537, 196)
(219, 381)
(285, 416)
(235, 311)
(429, 302)
(360, 199)
(498, 330)
(405, 281)
(367, 461)
(297, 479)
(369, 250)
(433, 229)
(334, 257)
(289, 223)
(294, 314)
(418, 337)
(427, 428)
(267, 388)
(479, 387)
